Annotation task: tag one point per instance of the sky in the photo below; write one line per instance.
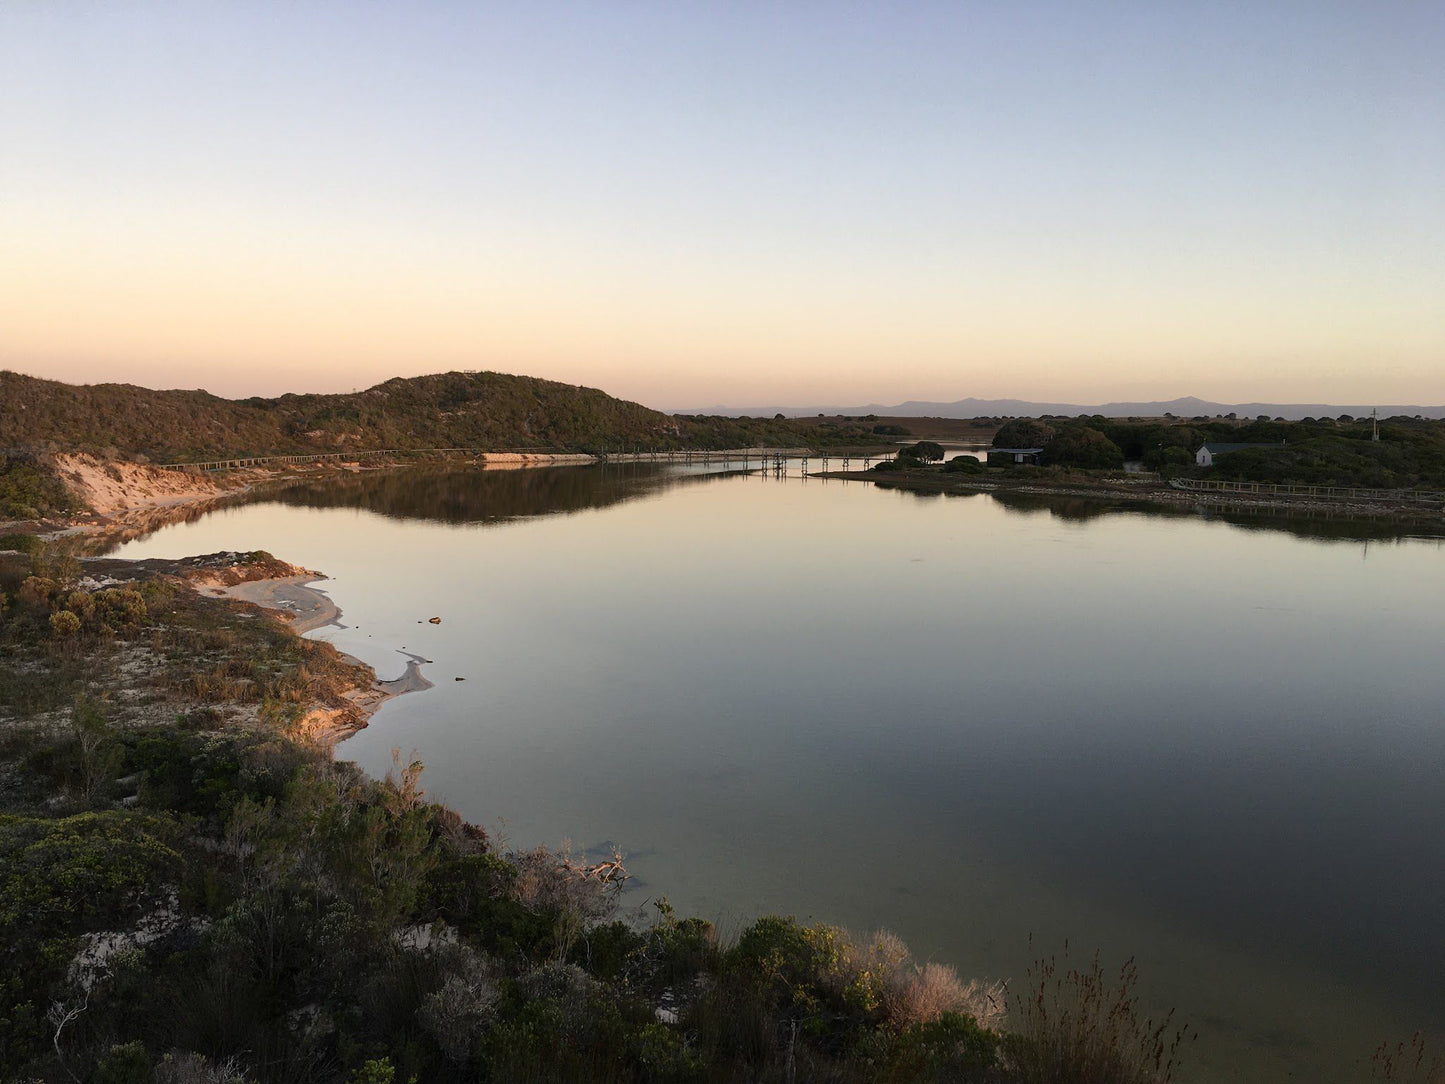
(691, 204)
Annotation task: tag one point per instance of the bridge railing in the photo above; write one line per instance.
(1285, 489)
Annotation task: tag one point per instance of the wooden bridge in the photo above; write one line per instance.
(775, 460)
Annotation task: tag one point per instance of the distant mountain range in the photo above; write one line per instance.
(1186, 407)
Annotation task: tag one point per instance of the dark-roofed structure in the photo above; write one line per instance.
(1015, 455)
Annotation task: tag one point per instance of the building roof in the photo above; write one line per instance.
(1220, 449)
(1016, 451)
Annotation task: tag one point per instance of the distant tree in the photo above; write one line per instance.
(927, 451)
(1174, 456)
(1023, 433)
(1082, 447)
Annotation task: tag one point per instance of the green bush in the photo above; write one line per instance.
(788, 964)
(125, 1064)
(29, 490)
(925, 451)
(1083, 447)
(953, 1047)
(58, 879)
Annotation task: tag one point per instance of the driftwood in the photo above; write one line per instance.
(613, 873)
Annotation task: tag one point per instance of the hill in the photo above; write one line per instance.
(471, 410)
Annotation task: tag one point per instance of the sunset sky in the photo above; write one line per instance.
(692, 204)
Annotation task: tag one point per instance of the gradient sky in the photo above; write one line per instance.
(692, 204)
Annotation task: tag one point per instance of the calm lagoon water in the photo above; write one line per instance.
(1216, 746)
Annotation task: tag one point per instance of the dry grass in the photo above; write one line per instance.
(1408, 1063)
(1081, 1026)
(934, 989)
(913, 993)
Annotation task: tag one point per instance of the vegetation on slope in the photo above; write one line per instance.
(449, 410)
(29, 487)
(486, 411)
(1410, 454)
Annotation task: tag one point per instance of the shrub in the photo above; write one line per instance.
(59, 879)
(127, 1064)
(790, 963)
(64, 624)
(457, 1014)
(36, 592)
(379, 1071)
(123, 607)
(926, 994)
(195, 1069)
(953, 1048)
(964, 464)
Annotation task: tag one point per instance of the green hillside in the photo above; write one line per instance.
(472, 410)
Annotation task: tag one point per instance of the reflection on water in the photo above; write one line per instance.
(1323, 524)
(969, 718)
(451, 496)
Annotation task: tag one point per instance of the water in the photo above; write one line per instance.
(1212, 744)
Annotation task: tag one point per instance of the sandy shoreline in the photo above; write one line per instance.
(303, 608)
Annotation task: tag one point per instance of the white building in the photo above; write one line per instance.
(1208, 453)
